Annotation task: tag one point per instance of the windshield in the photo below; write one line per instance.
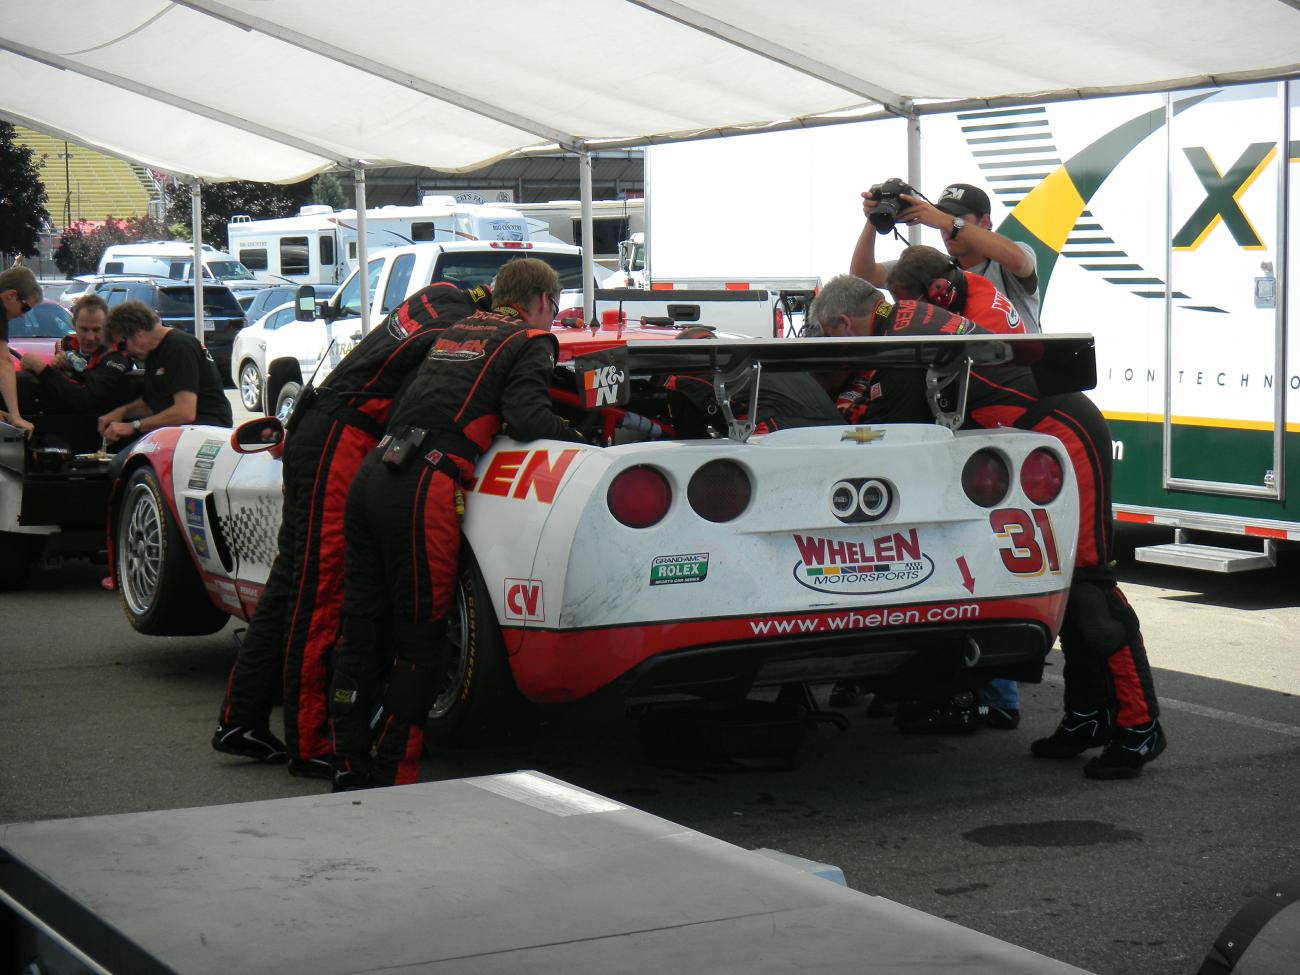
(229, 271)
(45, 321)
(467, 269)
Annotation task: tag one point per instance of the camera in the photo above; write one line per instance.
(888, 206)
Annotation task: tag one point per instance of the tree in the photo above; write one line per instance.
(327, 189)
(22, 197)
(83, 243)
(221, 201)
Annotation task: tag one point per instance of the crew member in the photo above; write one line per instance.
(181, 382)
(962, 215)
(296, 621)
(87, 373)
(18, 293)
(402, 525)
(1110, 696)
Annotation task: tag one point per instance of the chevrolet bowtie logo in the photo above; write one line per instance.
(862, 435)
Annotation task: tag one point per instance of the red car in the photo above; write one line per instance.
(40, 329)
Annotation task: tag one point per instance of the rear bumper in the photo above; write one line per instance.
(898, 647)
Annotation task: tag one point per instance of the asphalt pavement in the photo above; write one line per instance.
(1118, 878)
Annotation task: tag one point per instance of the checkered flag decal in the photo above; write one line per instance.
(251, 529)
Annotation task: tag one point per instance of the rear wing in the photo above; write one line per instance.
(1059, 363)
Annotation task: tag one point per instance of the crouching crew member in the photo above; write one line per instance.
(87, 373)
(296, 622)
(1110, 700)
(402, 523)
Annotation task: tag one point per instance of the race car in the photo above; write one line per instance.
(646, 566)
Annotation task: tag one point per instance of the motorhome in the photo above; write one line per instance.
(613, 221)
(1161, 224)
(319, 245)
(171, 259)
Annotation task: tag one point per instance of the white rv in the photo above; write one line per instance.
(1164, 224)
(171, 259)
(613, 221)
(319, 245)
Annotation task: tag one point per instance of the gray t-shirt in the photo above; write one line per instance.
(1025, 302)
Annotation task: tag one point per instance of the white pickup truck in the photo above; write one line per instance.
(295, 352)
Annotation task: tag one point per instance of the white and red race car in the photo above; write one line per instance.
(898, 554)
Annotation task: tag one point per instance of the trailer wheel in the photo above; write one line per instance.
(477, 701)
(159, 587)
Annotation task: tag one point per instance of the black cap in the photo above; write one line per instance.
(962, 199)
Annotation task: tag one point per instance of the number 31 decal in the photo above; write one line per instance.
(1033, 543)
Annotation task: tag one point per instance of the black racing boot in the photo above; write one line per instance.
(1128, 751)
(311, 768)
(258, 743)
(1077, 732)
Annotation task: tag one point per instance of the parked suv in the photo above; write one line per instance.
(174, 303)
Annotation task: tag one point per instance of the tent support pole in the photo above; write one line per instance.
(914, 167)
(196, 268)
(363, 252)
(588, 241)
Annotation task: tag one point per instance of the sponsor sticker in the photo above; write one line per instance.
(671, 570)
(199, 477)
(204, 465)
(209, 449)
(194, 512)
(863, 565)
(603, 378)
(200, 539)
(523, 601)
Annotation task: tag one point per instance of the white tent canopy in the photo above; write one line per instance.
(278, 90)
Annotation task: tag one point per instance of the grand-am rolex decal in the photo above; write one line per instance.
(669, 570)
(209, 449)
(886, 562)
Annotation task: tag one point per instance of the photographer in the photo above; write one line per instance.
(962, 216)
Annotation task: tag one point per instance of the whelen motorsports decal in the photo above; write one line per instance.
(669, 570)
(870, 564)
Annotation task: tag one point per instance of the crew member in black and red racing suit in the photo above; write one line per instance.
(296, 622)
(1110, 696)
(402, 523)
(88, 374)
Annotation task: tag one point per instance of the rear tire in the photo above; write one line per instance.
(284, 403)
(159, 586)
(477, 700)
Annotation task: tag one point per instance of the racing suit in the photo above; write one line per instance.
(92, 385)
(1105, 659)
(297, 617)
(402, 531)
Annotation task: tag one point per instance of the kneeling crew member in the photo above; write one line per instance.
(402, 525)
(87, 373)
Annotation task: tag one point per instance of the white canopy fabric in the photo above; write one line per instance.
(278, 90)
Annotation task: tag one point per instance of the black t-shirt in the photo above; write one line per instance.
(4, 324)
(181, 364)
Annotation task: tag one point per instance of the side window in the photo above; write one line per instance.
(422, 231)
(326, 252)
(141, 292)
(282, 317)
(295, 258)
(254, 258)
(349, 300)
(113, 267)
(398, 279)
(114, 296)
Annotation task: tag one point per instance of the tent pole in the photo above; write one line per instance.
(363, 252)
(914, 168)
(588, 241)
(196, 268)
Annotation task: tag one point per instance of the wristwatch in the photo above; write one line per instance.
(135, 425)
(957, 224)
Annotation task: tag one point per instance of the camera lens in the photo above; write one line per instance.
(885, 214)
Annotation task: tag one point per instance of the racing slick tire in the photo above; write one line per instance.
(477, 700)
(284, 402)
(159, 586)
(250, 386)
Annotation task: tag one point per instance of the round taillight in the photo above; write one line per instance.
(1041, 476)
(719, 491)
(986, 478)
(639, 496)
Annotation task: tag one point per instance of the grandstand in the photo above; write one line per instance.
(96, 185)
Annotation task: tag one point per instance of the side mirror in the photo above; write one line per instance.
(304, 304)
(266, 433)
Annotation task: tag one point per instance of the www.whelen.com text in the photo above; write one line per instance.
(865, 620)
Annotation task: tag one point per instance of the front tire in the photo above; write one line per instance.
(250, 386)
(160, 589)
(477, 700)
(284, 403)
